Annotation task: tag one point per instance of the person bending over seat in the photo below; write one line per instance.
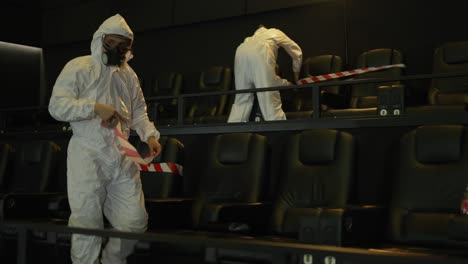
(254, 67)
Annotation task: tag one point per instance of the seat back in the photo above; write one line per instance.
(213, 79)
(21, 120)
(318, 171)
(313, 66)
(297, 103)
(5, 156)
(365, 95)
(35, 163)
(323, 64)
(165, 84)
(163, 184)
(288, 99)
(235, 172)
(431, 176)
(450, 57)
(58, 183)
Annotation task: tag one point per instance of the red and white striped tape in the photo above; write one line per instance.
(144, 164)
(336, 75)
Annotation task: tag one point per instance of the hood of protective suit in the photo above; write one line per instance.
(113, 25)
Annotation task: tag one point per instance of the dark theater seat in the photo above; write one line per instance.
(164, 112)
(313, 66)
(209, 109)
(160, 185)
(164, 189)
(431, 178)
(233, 176)
(312, 204)
(313, 201)
(363, 101)
(448, 94)
(319, 169)
(451, 57)
(28, 186)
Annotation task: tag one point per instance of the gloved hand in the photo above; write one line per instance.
(112, 121)
(108, 114)
(154, 147)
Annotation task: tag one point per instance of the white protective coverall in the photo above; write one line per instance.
(254, 67)
(100, 179)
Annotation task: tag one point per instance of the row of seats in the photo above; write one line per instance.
(312, 203)
(33, 186)
(196, 109)
(444, 94)
(359, 99)
(297, 103)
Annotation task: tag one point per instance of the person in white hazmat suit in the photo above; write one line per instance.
(92, 90)
(254, 67)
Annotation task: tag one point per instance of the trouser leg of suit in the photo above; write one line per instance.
(269, 102)
(86, 195)
(92, 187)
(125, 210)
(270, 105)
(242, 106)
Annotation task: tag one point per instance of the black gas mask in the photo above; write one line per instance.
(114, 51)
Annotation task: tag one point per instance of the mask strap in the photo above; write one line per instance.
(106, 47)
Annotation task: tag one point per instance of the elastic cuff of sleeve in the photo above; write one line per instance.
(155, 134)
(89, 108)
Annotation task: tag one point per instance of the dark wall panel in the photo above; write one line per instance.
(145, 15)
(56, 57)
(255, 6)
(52, 4)
(20, 23)
(189, 11)
(73, 22)
(454, 20)
(318, 29)
(195, 46)
(410, 26)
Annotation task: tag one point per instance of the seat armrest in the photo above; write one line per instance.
(14, 206)
(169, 213)
(59, 207)
(59, 202)
(353, 225)
(252, 218)
(452, 98)
(390, 100)
(365, 224)
(335, 101)
(458, 228)
(165, 109)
